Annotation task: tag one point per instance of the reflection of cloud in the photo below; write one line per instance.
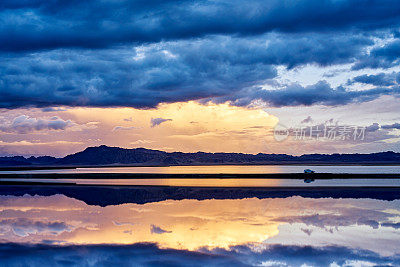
(365, 221)
(128, 119)
(306, 255)
(151, 255)
(347, 217)
(116, 128)
(128, 232)
(122, 223)
(307, 231)
(192, 224)
(53, 242)
(108, 255)
(158, 230)
(157, 121)
(24, 227)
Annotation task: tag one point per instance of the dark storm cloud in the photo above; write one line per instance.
(143, 77)
(151, 52)
(320, 93)
(385, 56)
(391, 126)
(44, 24)
(151, 255)
(381, 79)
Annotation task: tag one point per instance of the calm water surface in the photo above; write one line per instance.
(243, 169)
(223, 182)
(292, 231)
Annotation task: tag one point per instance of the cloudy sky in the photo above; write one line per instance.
(214, 76)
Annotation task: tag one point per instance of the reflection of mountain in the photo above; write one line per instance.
(114, 195)
(270, 228)
(104, 155)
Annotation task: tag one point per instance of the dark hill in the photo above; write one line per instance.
(105, 155)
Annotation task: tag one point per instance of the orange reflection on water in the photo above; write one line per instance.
(192, 224)
(186, 224)
(182, 182)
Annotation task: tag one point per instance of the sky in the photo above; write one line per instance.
(213, 76)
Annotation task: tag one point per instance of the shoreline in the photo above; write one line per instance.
(280, 163)
(105, 195)
(199, 176)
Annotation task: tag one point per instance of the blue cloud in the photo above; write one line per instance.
(151, 255)
(218, 66)
(140, 54)
(381, 79)
(320, 93)
(391, 126)
(385, 56)
(52, 109)
(43, 24)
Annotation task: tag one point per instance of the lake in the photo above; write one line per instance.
(239, 169)
(292, 231)
(202, 222)
(225, 182)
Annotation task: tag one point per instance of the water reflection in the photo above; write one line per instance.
(190, 224)
(233, 169)
(224, 182)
